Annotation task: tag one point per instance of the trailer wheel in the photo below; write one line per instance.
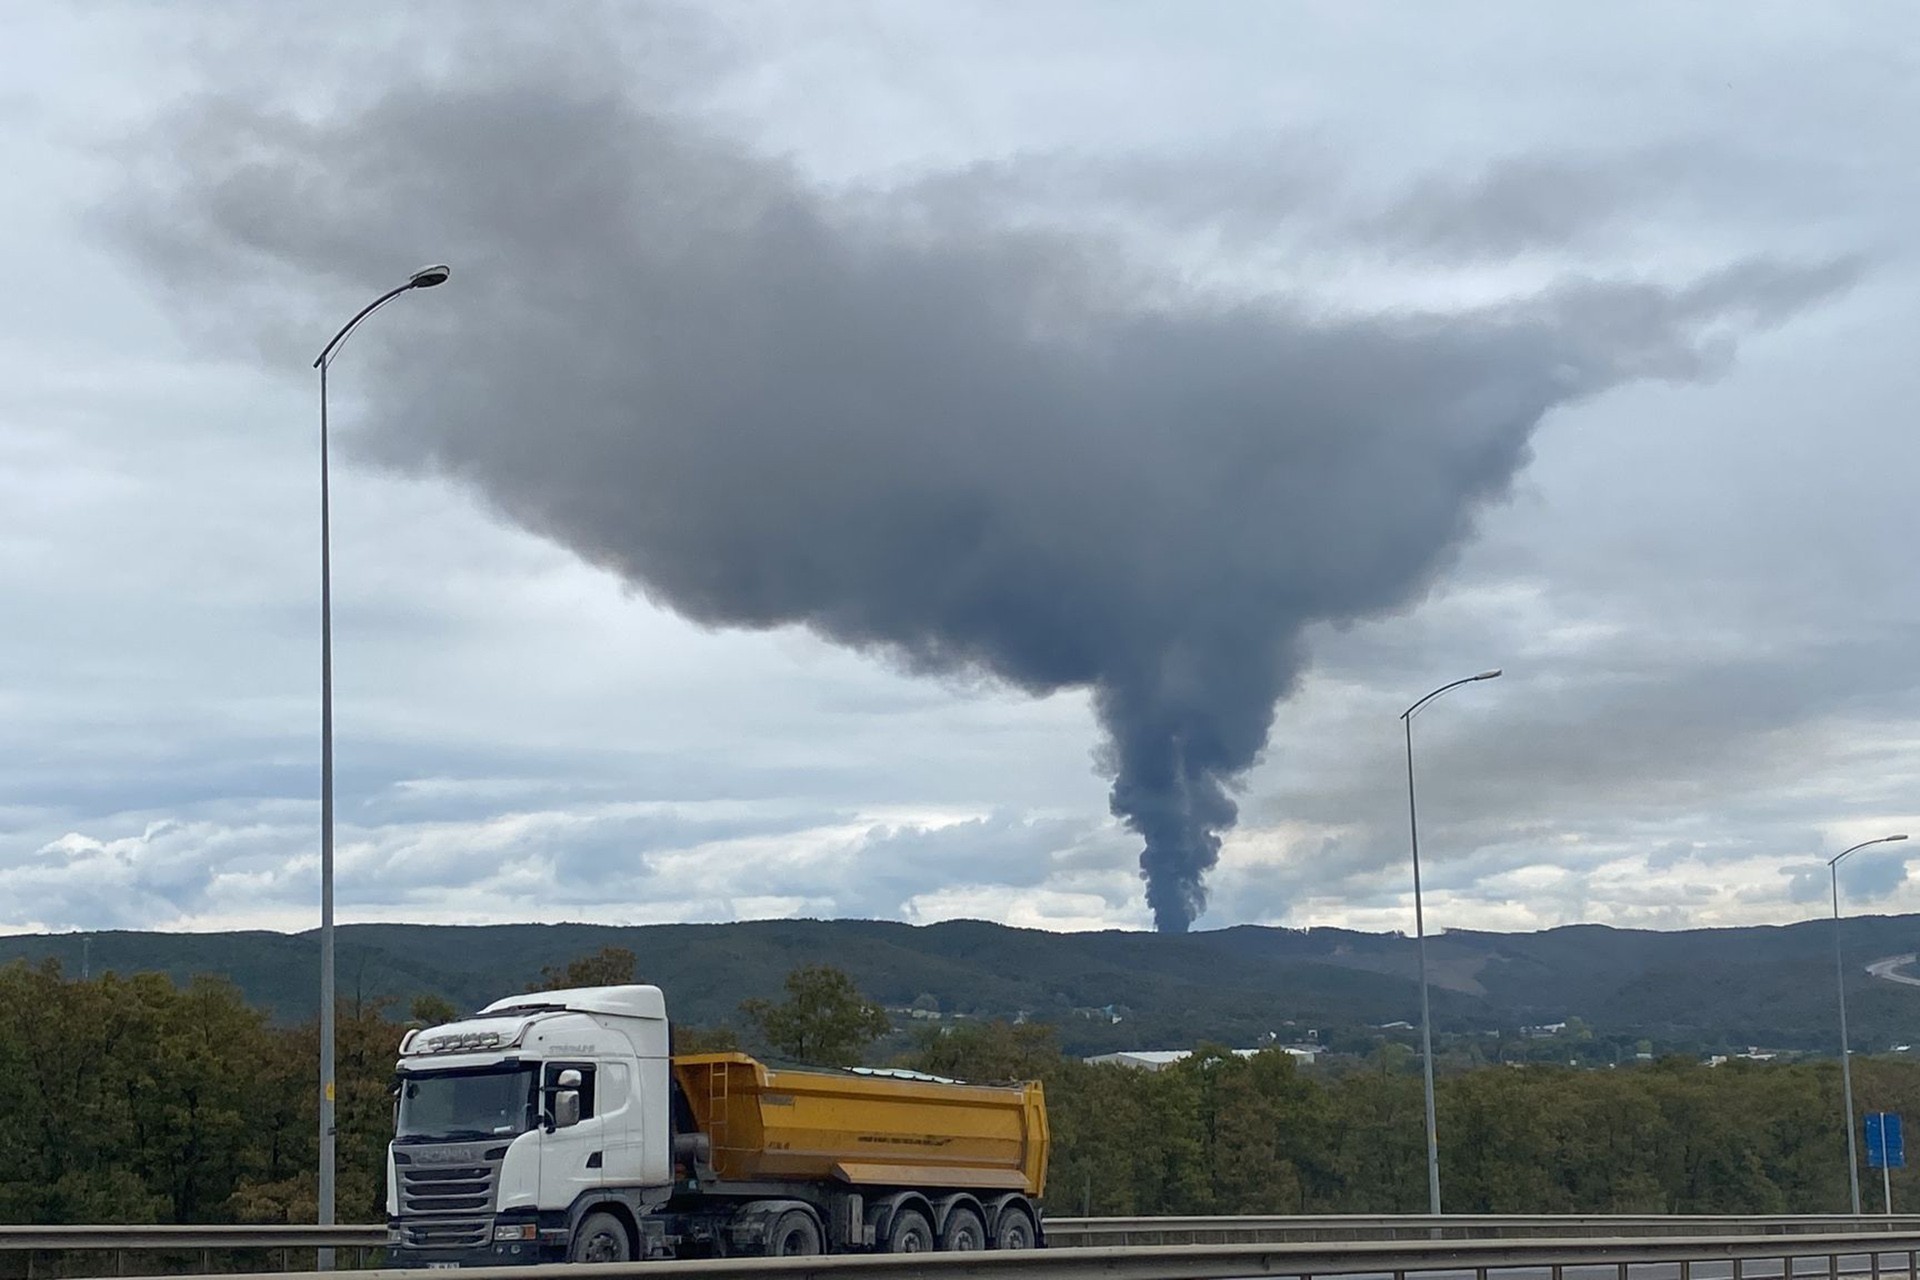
(1015, 1228)
(794, 1235)
(910, 1232)
(964, 1230)
(601, 1238)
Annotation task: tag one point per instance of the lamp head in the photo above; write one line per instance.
(427, 277)
(1488, 675)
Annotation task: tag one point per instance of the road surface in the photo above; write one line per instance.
(1889, 968)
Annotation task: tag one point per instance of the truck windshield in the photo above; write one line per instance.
(465, 1104)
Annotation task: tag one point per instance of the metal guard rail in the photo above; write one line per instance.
(1326, 1228)
(1307, 1261)
(1062, 1232)
(243, 1236)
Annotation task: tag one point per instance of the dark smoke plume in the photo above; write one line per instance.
(970, 446)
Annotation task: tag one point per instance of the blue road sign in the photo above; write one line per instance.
(1885, 1148)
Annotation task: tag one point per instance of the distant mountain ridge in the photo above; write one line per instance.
(1770, 985)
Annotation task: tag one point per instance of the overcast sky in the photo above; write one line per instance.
(1376, 345)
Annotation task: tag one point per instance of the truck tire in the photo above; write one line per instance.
(601, 1237)
(964, 1230)
(1015, 1228)
(909, 1232)
(795, 1235)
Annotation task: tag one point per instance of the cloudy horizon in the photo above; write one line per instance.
(1579, 341)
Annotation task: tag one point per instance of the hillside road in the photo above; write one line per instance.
(1889, 968)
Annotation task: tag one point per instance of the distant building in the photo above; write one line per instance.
(1161, 1059)
(1751, 1055)
(1143, 1059)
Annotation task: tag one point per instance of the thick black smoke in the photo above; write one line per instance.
(970, 446)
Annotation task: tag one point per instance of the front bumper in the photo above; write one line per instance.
(509, 1241)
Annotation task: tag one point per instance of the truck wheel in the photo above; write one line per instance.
(601, 1238)
(964, 1230)
(794, 1235)
(910, 1233)
(1015, 1229)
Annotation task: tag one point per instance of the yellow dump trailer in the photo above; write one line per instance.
(864, 1130)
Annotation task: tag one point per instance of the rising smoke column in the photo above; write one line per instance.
(964, 445)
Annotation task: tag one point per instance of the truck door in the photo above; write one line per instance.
(573, 1155)
(620, 1112)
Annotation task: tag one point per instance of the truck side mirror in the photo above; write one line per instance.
(565, 1092)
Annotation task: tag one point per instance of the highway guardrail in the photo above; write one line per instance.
(1832, 1254)
(1424, 1235)
(1329, 1228)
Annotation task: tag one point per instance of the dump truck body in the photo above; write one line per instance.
(554, 1127)
(864, 1128)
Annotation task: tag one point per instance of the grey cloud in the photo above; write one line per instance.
(1871, 875)
(1244, 196)
(1521, 204)
(877, 872)
(1669, 731)
(585, 856)
(1003, 849)
(1806, 882)
(973, 448)
(1289, 188)
(869, 872)
(1666, 856)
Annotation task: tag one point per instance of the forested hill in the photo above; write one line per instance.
(1683, 990)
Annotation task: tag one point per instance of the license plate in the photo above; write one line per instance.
(443, 1266)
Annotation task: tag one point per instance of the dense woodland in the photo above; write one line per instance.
(128, 1099)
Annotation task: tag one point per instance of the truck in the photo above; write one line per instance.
(559, 1126)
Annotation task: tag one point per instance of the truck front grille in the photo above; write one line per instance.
(449, 1206)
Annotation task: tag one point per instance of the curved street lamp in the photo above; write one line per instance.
(1420, 940)
(1846, 1054)
(425, 278)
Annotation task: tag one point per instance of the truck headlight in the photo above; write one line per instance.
(518, 1231)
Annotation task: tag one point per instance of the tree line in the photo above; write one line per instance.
(136, 1099)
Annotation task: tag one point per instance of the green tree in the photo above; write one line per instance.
(989, 1051)
(607, 967)
(68, 1050)
(705, 1040)
(1379, 1148)
(824, 1019)
(432, 1011)
(1265, 1131)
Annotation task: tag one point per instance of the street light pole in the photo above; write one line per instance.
(1420, 943)
(1846, 1053)
(425, 278)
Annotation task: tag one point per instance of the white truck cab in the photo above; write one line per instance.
(514, 1124)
